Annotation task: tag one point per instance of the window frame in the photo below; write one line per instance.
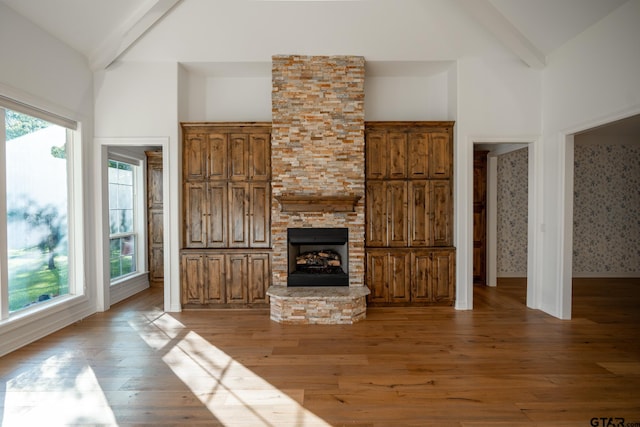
(75, 217)
(139, 214)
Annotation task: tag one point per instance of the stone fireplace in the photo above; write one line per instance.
(317, 157)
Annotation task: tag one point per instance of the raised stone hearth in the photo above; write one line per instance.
(318, 305)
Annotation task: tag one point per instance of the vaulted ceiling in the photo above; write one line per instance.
(103, 30)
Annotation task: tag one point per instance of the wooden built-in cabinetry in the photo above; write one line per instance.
(227, 213)
(409, 212)
(155, 226)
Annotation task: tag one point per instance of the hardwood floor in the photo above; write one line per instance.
(498, 365)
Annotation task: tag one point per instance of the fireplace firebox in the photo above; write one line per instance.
(318, 256)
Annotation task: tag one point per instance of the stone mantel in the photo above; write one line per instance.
(317, 203)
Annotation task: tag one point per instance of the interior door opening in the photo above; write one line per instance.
(501, 217)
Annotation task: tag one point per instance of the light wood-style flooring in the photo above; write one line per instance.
(501, 364)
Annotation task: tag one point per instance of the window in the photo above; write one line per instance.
(123, 218)
(37, 255)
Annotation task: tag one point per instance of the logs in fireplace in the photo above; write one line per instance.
(318, 256)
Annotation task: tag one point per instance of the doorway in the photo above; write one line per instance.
(501, 220)
(107, 294)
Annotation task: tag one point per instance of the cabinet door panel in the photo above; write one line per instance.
(260, 156)
(376, 214)
(194, 155)
(399, 279)
(217, 215)
(376, 158)
(259, 277)
(238, 157)
(397, 155)
(195, 229)
(442, 208)
(419, 213)
(439, 155)
(238, 215)
(154, 182)
(217, 157)
(377, 276)
(442, 276)
(156, 264)
(215, 280)
(260, 215)
(237, 279)
(397, 220)
(420, 267)
(192, 279)
(418, 157)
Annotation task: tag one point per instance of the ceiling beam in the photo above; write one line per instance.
(123, 37)
(487, 14)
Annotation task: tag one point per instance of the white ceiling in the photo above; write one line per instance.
(93, 26)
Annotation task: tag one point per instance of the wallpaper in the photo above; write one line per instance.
(512, 213)
(606, 211)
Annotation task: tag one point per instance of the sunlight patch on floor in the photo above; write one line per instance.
(233, 393)
(60, 391)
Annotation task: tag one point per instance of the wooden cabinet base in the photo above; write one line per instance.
(225, 278)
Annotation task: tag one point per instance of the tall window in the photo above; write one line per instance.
(37, 182)
(122, 219)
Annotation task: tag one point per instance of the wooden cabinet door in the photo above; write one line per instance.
(238, 157)
(215, 289)
(442, 275)
(419, 213)
(480, 217)
(399, 278)
(375, 155)
(376, 214)
(217, 154)
(377, 277)
(192, 278)
(238, 215)
(397, 155)
(217, 203)
(420, 273)
(194, 157)
(156, 245)
(195, 214)
(397, 218)
(418, 155)
(259, 278)
(442, 211)
(155, 225)
(259, 215)
(154, 180)
(260, 157)
(237, 278)
(440, 155)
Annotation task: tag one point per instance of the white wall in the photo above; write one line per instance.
(136, 100)
(592, 80)
(407, 98)
(41, 71)
(499, 100)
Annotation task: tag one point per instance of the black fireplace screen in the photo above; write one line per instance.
(318, 257)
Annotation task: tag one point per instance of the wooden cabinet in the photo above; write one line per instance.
(227, 212)
(432, 275)
(410, 276)
(227, 190)
(155, 225)
(225, 277)
(409, 211)
(480, 217)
